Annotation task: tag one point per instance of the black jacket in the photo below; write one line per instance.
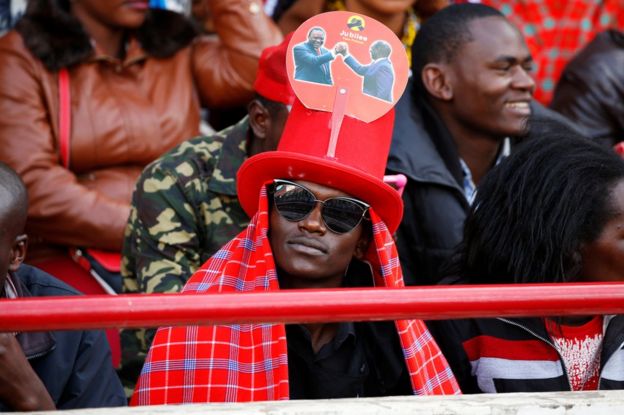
(435, 205)
(75, 366)
(591, 89)
(517, 355)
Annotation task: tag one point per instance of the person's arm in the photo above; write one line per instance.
(162, 235)
(356, 66)
(303, 55)
(20, 387)
(448, 334)
(225, 68)
(93, 382)
(60, 208)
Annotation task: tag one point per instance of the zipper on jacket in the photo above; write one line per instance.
(607, 320)
(603, 365)
(548, 342)
(36, 355)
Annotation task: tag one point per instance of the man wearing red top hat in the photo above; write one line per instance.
(184, 207)
(322, 218)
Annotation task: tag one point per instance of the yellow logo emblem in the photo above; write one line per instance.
(356, 23)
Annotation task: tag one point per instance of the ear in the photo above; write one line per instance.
(361, 247)
(435, 78)
(18, 252)
(259, 119)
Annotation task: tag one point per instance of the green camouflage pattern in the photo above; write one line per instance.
(184, 209)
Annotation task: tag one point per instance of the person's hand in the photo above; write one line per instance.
(345, 49)
(341, 48)
(20, 387)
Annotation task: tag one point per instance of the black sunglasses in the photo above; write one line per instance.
(295, 202)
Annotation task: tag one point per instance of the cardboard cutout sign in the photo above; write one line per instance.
(347, 60)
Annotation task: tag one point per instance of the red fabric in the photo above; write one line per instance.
(580, 348)
(271, 79)
(248, 362)
(495, 347)
(73, 275)
(556, 29)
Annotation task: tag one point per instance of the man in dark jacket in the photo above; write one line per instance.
(591, 89)
(468, 103)
(45, 370)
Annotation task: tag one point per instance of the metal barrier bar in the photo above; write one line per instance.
(289, 306)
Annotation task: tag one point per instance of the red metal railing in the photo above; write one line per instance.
(290, 306)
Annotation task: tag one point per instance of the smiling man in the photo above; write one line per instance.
(468, 105)
(312, 60)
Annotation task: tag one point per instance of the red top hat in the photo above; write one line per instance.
(331, 148)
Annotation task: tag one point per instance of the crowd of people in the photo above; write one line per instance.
(507, 147)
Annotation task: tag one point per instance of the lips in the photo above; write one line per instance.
(308, 246)
(137, 4)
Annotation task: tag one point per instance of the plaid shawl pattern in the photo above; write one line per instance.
(248, 362)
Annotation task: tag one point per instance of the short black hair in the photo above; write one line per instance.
(316, 29)
(443, 34)
(535, 210)
(382, 47)
(13, 199)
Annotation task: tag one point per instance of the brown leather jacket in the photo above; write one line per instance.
(591, 89)
(124, 115)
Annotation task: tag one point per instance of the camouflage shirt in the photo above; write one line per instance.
(184, 208)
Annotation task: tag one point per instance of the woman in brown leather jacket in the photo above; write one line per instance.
(137, 80)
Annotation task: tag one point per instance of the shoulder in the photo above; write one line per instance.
(12, 40)
(188, 161)
(409, 127)
(544, 121)
(42, 284)
(301, 46)
(13, 49)
(598, 64)
(606, 48)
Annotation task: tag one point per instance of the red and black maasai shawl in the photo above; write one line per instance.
(248, 362)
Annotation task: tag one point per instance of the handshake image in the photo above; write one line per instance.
(341, 48)
(313, 64)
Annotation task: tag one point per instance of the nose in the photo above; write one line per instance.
(523, 80)
(314, 223)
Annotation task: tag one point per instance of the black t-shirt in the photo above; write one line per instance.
(364, 359)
